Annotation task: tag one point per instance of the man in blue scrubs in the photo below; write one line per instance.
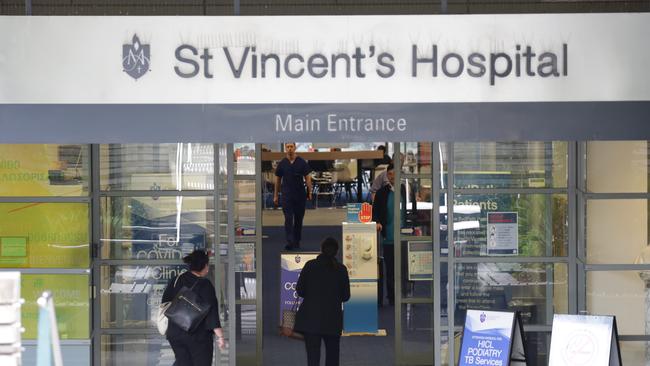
(292, 174)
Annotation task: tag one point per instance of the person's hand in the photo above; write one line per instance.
(221, 343)
(308, 195)
(275, 200)
(379, 227)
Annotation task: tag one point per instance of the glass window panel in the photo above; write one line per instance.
(634, 353)
(246, 316)
(510, 165)
(244, 218)
(417, 334)
(44, 235)
(244, 159)
(444, 347)
(617, 166)
(416, 158)
(43, 170)
(617, 231)
(537, 345)
(223, 166)
(529, 288)
(541, 228)
(157, 166)
(444, 163)
(245, 284)
(245, 190)
(223, 218)
(155, 227)
(136, 350)
(130, 295)
(444, 240)
(619, 293)
(71, 303)
(416, 214)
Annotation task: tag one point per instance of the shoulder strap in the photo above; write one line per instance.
(177, 277)
(195, 282)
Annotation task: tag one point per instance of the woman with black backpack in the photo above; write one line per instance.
(195, 347)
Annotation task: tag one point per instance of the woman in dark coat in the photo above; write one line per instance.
(324, 286)
(195, 348)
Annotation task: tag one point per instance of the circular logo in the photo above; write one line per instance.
(581, 349)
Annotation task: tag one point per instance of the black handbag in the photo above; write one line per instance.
(187, 309)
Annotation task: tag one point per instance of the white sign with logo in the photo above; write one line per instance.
(584, 340)
(325, 59)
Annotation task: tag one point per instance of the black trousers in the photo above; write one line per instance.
(294, 212)
(389, 262)
(190, 351)
(332, 344)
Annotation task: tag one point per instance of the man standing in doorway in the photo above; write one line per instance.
(383, 208)
(292, 174)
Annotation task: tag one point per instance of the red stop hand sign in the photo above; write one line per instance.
(365, 214)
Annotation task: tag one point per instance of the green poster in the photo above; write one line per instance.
(44, 235)
(37, 170)
(71, 304)
(13, 251)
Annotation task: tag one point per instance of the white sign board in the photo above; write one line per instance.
(324, 59)
(360, 250)
(584, 340)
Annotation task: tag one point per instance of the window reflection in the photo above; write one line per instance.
(539, 226)
(43, 170)
(156, 227)
(511, 286)
(157, 166)
(510, 165)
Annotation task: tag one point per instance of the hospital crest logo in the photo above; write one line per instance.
(483, 317)
(135, 58)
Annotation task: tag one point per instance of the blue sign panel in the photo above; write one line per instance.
(353, 212)
(487, 338)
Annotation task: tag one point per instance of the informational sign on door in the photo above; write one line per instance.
(290, 266)
(502, 233)
(492, 338)
(584, 340)
(420, 261)
(359, 212)
(360, 258)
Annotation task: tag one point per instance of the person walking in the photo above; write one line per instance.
(292, 174)
(195, 348)
(324, 286)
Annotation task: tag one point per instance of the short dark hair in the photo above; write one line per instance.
(381, 147)
(197, 260)
(391, 166)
